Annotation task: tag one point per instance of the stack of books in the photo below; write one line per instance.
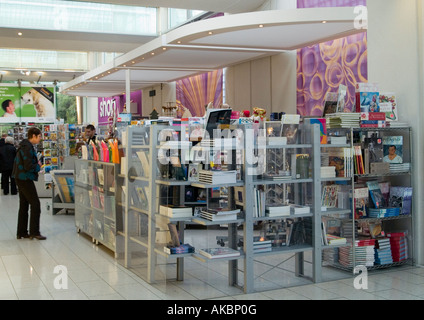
(173, 211)
(217, 177)
(333, 240)
(373, 120)
(328, 172)
(184, 248)
(298, 209)
(260, 245)
(343, 120)
(383, 212)
(400, 167)
(338, 140)
(383, 252)
(219, 214)
(364, 254)
(399, 246)
(219, 253)
(277, 210)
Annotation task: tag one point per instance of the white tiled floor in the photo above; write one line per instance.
(27, 272)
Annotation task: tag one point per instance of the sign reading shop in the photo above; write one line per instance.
(107, 108)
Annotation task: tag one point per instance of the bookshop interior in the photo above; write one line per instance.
(243, 153)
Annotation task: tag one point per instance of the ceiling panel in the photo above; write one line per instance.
(220, 42)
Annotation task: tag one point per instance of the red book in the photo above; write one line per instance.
(381, 116)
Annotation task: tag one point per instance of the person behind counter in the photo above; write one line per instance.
(90, 133)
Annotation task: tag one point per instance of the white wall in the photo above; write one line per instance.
(395, 58)
(91, 114)
(164, 93)
(268, 83)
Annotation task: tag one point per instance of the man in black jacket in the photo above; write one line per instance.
(7, 157)
(25, 172)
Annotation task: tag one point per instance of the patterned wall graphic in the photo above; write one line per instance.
(195, 92)
(322, 68)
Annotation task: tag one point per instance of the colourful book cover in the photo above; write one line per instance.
(322, 128)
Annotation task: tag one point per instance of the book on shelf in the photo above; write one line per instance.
(176, 211)
(298, 209)
(341, 159)
(329, 196)
(290, 127)
(393, 149)
(375, 148)
(361, 202)
(217, 253)
(322, 122)
(358, 160)
(258, 202)
(401, 197)
(343, 120)
(375, 193)
(385, 191)
(219, 215)
(330, 103)
(367, 97)
(277, 210)
(335, 240)
(388, 105)
(373, 124)
(181, 249)
(217, 177)
(193, 171)
(328, 172)
(337, 140)
(383, 212)
(373, 116)
(341, 98)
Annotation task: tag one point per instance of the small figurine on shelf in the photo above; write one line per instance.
(259, 114)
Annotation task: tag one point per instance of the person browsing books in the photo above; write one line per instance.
(25, 171)
(392, 157)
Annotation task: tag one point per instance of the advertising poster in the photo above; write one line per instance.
(27, 104)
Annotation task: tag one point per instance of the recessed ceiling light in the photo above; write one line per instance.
(163, 49)
(210, 32)
(324, 21)
(19, 33)
(261, 26)
(178, 41)
(152, 53)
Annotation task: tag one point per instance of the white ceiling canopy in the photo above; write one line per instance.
(213, 44)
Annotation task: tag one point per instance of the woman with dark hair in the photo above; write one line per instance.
(25, 172)
(7, 157)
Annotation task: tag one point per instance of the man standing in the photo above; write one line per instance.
(90, 133)
(25, 172)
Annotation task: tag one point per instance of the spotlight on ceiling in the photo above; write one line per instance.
(25, 72)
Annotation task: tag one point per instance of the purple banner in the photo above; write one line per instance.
(323, 67)
(195, 92)
(108, 106)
